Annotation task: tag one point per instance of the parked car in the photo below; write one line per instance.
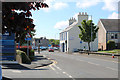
(51, 49)
(35, 48)
(55, 48)
(43, 48)
(76, 50)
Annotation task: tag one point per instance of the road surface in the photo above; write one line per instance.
(69, 66)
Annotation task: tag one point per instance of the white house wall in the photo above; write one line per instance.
(74, 41)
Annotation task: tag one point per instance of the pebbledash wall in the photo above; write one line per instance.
(69, 37)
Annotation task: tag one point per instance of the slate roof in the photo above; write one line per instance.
(111, 24)
(69, 27)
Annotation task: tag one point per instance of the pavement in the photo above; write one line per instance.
(39, 61)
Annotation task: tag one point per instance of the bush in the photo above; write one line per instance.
(110, 45)
(32, 55)
(24, 57)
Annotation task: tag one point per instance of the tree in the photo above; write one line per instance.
(85, 31)
(54, 42)
(16, 17)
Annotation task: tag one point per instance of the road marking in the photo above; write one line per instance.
(52, 67)
(57, 67)
(112, 68)
(93, 63)
(16, 71)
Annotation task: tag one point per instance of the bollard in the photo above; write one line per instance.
(113, 56)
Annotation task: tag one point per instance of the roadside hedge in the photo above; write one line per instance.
(110, 45)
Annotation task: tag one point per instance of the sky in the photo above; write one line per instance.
(51, 21)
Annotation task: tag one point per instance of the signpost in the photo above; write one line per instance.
(28, 38)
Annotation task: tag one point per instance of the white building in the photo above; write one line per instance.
(69, 37)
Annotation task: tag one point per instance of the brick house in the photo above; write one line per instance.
(108, 30)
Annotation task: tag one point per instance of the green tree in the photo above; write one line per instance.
(85, 31)
(53, 42)
(57, 42)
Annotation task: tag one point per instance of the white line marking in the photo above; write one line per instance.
(112, 68)
(52, 68)
(57, 67)
(93, 63)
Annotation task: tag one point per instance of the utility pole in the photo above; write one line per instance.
(91, 32)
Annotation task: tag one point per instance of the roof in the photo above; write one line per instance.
(111, 24)
(69, 27)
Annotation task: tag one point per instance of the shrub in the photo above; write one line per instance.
(31, 55)
(24, 57)
(110, 45)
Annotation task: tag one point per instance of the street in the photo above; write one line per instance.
(69, 66)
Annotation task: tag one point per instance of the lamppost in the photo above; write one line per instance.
(91, 32)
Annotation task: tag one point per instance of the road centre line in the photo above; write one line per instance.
(93, 63)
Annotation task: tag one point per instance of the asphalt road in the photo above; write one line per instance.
(70, 66)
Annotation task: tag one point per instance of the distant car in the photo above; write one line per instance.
(43, 48)
(51, 49)
(76, 50)
(55, 48)
(35, 48)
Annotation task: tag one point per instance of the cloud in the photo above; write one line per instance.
(114, 15)
(61, 24)
(55, 5)
(111, 5)
(87, 3)
(60, 5)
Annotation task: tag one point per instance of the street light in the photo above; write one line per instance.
(91, 31)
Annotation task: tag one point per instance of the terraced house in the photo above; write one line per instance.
(108, 30)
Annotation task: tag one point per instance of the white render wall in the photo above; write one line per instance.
(73, 40)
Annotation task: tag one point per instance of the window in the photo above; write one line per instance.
(66, 35)
(112, 36)
(116, 36)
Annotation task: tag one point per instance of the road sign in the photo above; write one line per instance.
(28, 39)
(80, 41)
(8, 47)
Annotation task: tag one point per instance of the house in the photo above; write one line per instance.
(108, 30)
(42, 41)
(69, 37)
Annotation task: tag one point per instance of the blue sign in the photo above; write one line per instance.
(28, 39)
(7, 45)
(80, 41)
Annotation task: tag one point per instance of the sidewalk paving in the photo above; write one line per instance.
(39, 61)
